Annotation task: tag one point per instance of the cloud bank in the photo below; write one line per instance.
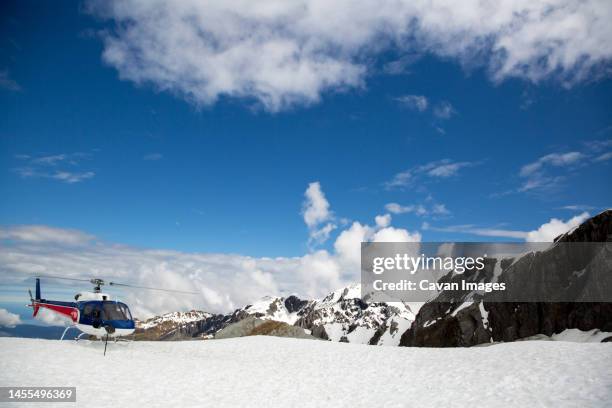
(282, 53)
(223, 281)
(8, 319)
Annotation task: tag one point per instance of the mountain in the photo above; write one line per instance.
(476, 319)
(181, 326)
(340, 316)
(449, 321)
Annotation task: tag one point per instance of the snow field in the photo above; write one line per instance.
(274, 372)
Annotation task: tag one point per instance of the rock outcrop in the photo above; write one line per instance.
(466, 319)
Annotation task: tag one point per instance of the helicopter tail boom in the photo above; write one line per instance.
(67, 309)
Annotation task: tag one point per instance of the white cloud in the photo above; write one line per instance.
(447, 170)
(8, 319)
(577, 207)
(282, 53)
(72, 177)
(391, 234)
(320, 235)
(555, 227)
(315, 210)
(44, 233)
(319, 270)
(396, 208)
(316, 207)
(383, 221)
(553, 159)
(545, 233)
(440, 209)
(603, 157)
(414, 102)
(549, 171)
(348, 244)
(417, 209)
(444, 110)
(474, 230)
(223, 281)
(57, 167)
(439, 169)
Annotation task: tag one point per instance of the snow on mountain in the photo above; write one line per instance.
(277, 308)
(339, 316)
(282, 372)
(175, 318)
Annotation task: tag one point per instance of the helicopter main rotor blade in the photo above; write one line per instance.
(61, 277)
(151, 288)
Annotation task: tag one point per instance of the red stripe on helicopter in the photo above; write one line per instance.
(70, 312)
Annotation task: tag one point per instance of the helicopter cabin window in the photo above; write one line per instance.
(91, 310)
(116, 311)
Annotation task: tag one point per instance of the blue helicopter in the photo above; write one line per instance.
(93, 313)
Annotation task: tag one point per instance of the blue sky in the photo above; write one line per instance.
(95, 141)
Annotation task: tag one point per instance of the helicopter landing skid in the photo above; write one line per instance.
(77, 338)
(64, 333)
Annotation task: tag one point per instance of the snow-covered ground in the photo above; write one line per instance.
(269, 371)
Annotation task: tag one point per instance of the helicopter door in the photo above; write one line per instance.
(92, 314)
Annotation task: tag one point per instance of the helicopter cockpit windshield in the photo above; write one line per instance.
(116, 311)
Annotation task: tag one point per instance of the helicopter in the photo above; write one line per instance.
(93, 313)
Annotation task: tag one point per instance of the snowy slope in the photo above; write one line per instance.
(175, 318)
(339, 316)
(280, 372)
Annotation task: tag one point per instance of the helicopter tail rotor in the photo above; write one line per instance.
(33, 300)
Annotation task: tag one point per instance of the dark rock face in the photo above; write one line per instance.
(294, 303)
(439, 324)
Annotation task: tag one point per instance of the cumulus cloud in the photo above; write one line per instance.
(439, 169)
(283, 54)
(8, 319)
(383, 221)
(348, 243)
(316, 207)
(223, 281)
(555, 227)
(392, 234)
(315, 210)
